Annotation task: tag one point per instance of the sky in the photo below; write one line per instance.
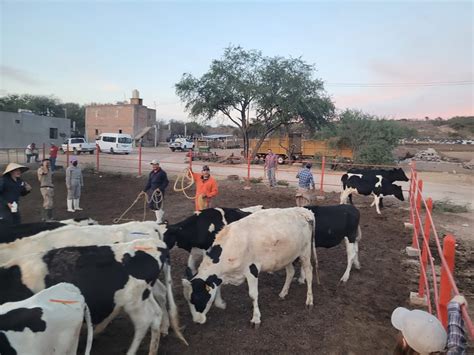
(403, 59)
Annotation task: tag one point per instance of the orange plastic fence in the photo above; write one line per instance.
(443, 293)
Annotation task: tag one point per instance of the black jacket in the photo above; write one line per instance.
(157, 180)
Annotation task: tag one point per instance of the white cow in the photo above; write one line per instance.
(47, 323)
(267, 240)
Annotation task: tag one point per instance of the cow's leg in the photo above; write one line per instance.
(356, 248)
(350, 199)
(350, 259)
(290, 272)
(159, 292)
(308, 270)
(143, 315)
(252, 282)
(194, 255)
(381, 202)
(302, 277)
(343, 198)
(219, 302)
(377, 201)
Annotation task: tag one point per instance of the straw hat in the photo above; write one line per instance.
(13, 166)
(422, 331)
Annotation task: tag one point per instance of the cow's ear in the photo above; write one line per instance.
(187, 289)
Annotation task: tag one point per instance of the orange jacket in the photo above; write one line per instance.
(204, 187)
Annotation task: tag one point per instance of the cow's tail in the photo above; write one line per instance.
(313, 246)
(172, 308)
(90, 331)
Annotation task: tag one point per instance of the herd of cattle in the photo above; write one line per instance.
(54, 275)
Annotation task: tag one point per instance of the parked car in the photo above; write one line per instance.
(114, 143)
(180, 144)
(77, 145)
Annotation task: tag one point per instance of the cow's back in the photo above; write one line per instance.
(9, 234)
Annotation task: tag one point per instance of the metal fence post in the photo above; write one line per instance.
(140, 159)
(424, 253)
(323, 165)
(97, 150)
(445, 287)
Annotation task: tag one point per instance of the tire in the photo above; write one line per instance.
(126, 153)
(111, 150)
(172, 149)
(281, 159)
(91, 152)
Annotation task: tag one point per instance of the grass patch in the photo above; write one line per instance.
(283, 183)
(254, 180)
(447, 205)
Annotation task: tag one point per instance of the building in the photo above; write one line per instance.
(20, 129)
(130, 118)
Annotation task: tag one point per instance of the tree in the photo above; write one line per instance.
(76, 113)
(371, 138)
(278, 91)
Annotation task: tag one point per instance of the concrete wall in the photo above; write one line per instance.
(20, 129)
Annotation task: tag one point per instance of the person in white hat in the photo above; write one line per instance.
(11, 188)
(157, 179)
(74, 183)
(422, 333)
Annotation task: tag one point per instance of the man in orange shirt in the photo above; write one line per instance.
(206, 188)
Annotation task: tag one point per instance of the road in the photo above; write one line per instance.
(438, 185)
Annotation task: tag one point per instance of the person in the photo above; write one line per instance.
(11, 188)
(206, 188)
(157, 179)
(271, 162)
(45, 178)
(422, 333)
(74, 182)
(53, 154)
(30, 152)
(305, 186)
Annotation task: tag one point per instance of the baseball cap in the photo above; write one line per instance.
(154, 161)
(421, 330)
(205, 168)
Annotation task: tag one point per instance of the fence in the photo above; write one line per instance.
(430, 293)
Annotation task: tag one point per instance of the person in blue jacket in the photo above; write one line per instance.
(156, 180)
(11, 188)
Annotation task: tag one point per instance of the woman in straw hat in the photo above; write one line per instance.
(11, 188)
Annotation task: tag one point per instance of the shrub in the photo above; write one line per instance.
(254, 180)
(283, 183)
(447, 205)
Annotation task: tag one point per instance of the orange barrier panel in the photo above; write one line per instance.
(446, 288)
(416, 229)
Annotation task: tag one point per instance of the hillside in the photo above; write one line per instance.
(456, 127)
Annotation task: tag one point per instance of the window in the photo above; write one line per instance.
(125, 140)
(96, 132)
(17, 121)
(108, 139)
(77, 140)
(120, 131)
(53, 133)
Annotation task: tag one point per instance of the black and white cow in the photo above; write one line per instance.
(374, 185)
(9, 234)
(196, 233)
(111, 277)
(48, 322)
(392, 175)
(267, 240)
(333, 225)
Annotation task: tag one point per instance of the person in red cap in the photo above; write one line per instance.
(206, 188)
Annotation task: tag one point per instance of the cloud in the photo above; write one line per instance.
(19, 75)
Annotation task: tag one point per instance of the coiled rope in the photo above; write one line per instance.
(185, 175)
(156, 197)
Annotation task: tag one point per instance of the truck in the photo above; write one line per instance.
(180, 144)
(77, 145)
(293, 147)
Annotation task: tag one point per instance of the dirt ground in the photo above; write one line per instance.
(349, 319)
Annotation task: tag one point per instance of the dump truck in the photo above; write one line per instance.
(293, 147)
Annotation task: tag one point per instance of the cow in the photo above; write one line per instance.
(48, 322)
(333, 225)
(392, 175)
(91, 235)
(196, 233)
(265, 241)
(111, 277)
(376, 186)
(9, 234)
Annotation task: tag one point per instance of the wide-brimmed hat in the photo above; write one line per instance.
(421, 330)
(13, 166)
(154, 162)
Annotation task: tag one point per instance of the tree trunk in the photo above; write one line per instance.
(260, 142)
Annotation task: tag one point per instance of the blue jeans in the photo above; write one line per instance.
(53, 163)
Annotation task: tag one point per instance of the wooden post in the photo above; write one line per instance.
(323, 165)
(445, 287)
(44, 150)
(424, 252)
(97, 151)
(140, 159)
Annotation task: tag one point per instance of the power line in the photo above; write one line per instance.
(404, 84)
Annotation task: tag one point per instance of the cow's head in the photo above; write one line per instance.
(200, 294)
(399, 175)
(397, 192)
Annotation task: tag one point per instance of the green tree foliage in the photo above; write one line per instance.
(277, 91)
(192, 128)
(45, 106)
(464, 125)
(372, 139)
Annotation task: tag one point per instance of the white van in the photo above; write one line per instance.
(114, 143)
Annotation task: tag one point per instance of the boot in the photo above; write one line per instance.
(69, 206)
(49, 215)
(44, 215)
(159, 216)
(76, 205)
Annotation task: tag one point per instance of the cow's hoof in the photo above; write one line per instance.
(221, 305)
(342, 282)
(301, 281)
(255, 325)
(282, 296)
(309, 306)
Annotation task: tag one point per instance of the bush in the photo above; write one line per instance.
(256, 180)
(447, 205)
(283, 183)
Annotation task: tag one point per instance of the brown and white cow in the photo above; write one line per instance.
(267, 240)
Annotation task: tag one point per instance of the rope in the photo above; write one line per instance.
(186, 174)
(156, 197)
